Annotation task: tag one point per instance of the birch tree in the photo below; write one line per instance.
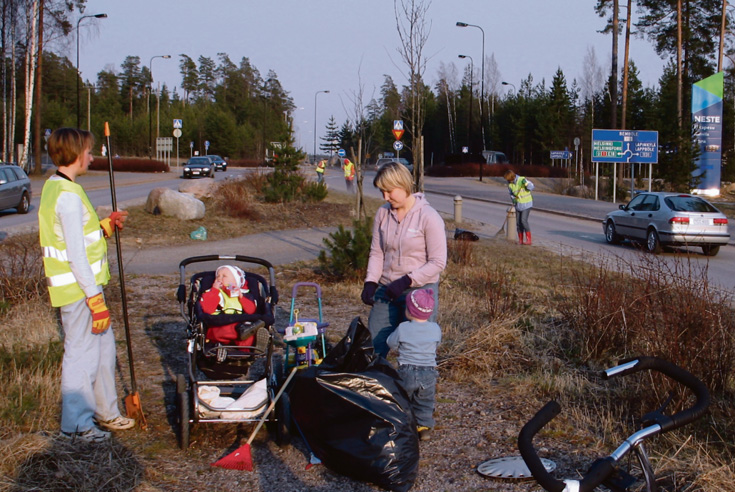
(413, 33)
(30, 70)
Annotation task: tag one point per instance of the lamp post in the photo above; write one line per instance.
(482, 85)
(508, 83)
(469, 116)
(316, 94)
(150, 122)
(96, 16)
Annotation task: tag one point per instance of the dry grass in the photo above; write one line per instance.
(505, 314)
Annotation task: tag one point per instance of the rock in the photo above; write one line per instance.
(199, 188)
(174, 204)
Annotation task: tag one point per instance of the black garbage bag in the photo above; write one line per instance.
(355, 415)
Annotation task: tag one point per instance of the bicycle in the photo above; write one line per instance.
(610, 471)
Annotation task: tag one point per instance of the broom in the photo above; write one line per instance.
(241, 458)
(132, 402)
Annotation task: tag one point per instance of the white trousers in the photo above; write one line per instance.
(87, 371)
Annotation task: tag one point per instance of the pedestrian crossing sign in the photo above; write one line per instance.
(178, 124)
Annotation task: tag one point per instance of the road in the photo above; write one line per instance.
(568, 225)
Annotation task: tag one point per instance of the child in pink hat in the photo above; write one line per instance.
(229, 295)
(416, 341)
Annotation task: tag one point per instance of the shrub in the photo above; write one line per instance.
(235, 199)
(130, 165)
(244, 163)
(21, 269)
(314, 192)
(347, 251)
(283, 186)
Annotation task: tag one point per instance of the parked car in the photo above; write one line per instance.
(668, 219)
(200, 166)
(219, 163)
(381, 162)
(15, 189)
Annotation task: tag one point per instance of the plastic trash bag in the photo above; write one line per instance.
(464, 235)
(355, 415)
(199, 234)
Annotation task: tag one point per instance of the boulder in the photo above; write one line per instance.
(174, 204)
(199, 188)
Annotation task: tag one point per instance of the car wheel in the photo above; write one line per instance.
(25, 204)
(710, 250)
(610, 235)
(653, 244)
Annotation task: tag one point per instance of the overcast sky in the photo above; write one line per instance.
(335, 45)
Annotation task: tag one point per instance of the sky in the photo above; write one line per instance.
(341, 45)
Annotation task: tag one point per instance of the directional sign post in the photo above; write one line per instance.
(624, 146)
(398, 133)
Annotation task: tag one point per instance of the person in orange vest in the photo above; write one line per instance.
(320, 168)
(349, 169)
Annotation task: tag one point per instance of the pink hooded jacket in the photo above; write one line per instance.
(417, 246)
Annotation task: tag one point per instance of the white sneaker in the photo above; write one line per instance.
(92, 435)
(116, 424)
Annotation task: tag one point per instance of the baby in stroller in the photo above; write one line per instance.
(230, 294)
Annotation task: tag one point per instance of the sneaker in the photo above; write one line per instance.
(92, 435)
(424, 432)
(246, 330)
(117, 424)
(262, 338)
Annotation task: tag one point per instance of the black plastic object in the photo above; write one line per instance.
(355, 414)
(465, 235)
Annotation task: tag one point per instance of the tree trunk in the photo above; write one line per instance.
(679, 76)
(614, 71)
(624, 114)
(723, 27)
(13, 91)
(38, 148)
(30, 71)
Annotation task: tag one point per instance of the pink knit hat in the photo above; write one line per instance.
(420, 303)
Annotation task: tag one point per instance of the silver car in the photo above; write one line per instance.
(668, 219)
(15, 189)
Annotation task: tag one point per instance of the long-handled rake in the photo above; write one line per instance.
(132, 402)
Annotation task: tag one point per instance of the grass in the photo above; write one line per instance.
(540, 324)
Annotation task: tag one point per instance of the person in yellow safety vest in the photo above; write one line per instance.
(349, 169)
(75, 261)
(520, 193)
(320, 168)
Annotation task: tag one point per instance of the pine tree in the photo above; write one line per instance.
(330, 138)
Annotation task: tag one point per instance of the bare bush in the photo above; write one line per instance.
(21, 269)
(235, 198)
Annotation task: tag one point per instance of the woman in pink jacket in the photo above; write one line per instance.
(408, 252)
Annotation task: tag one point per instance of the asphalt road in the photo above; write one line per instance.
(560, 223)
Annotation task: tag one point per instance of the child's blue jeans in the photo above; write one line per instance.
(420, 384)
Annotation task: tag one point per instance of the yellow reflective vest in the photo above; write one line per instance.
(62, 285)
(519, 192)
(321, 165)
(349, 169)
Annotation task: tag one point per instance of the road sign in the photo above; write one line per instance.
(398, 134)
(560, 154)
(633, 146)
(398, 124)
(191, 145)
(178, 124)
(206, 144)
(398, 145)
(465, 150)
(177, 133)
(341, 152)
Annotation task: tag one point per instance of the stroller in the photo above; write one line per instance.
(219, 386)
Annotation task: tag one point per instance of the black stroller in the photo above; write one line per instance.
(228, 392)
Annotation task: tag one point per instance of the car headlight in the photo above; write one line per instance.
(187, 169)
(206, 169)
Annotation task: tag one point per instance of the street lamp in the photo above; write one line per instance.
(96, 16)
(469, 116)
(150, 123)
(482, 90)
(317, 93)
(508, 83)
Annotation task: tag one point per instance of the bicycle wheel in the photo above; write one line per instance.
(634, 474)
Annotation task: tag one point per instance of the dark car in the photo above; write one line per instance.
(668, 219)
(219, 163)
(385, 160)
(198, 167)
(15, 189)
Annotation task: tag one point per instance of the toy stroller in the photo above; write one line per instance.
(304, 338)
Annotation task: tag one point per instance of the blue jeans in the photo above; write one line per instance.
(420, 384)
(386, 315)
(522, 220)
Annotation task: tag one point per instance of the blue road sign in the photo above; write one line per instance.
(561, 154)
(341, 152)
(178, 123)
(630, 146)
(398, 145)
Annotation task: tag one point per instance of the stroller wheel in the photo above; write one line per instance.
(183, 407)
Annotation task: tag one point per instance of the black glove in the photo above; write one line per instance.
(368, 291)
(397, 287)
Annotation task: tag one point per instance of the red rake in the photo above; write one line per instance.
(241, 458)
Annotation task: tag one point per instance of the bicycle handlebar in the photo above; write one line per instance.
(602, 468)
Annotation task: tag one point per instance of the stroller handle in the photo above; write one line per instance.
(306, 284)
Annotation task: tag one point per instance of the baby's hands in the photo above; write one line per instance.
(217, 284)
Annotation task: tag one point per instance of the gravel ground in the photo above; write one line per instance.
(474, 422)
